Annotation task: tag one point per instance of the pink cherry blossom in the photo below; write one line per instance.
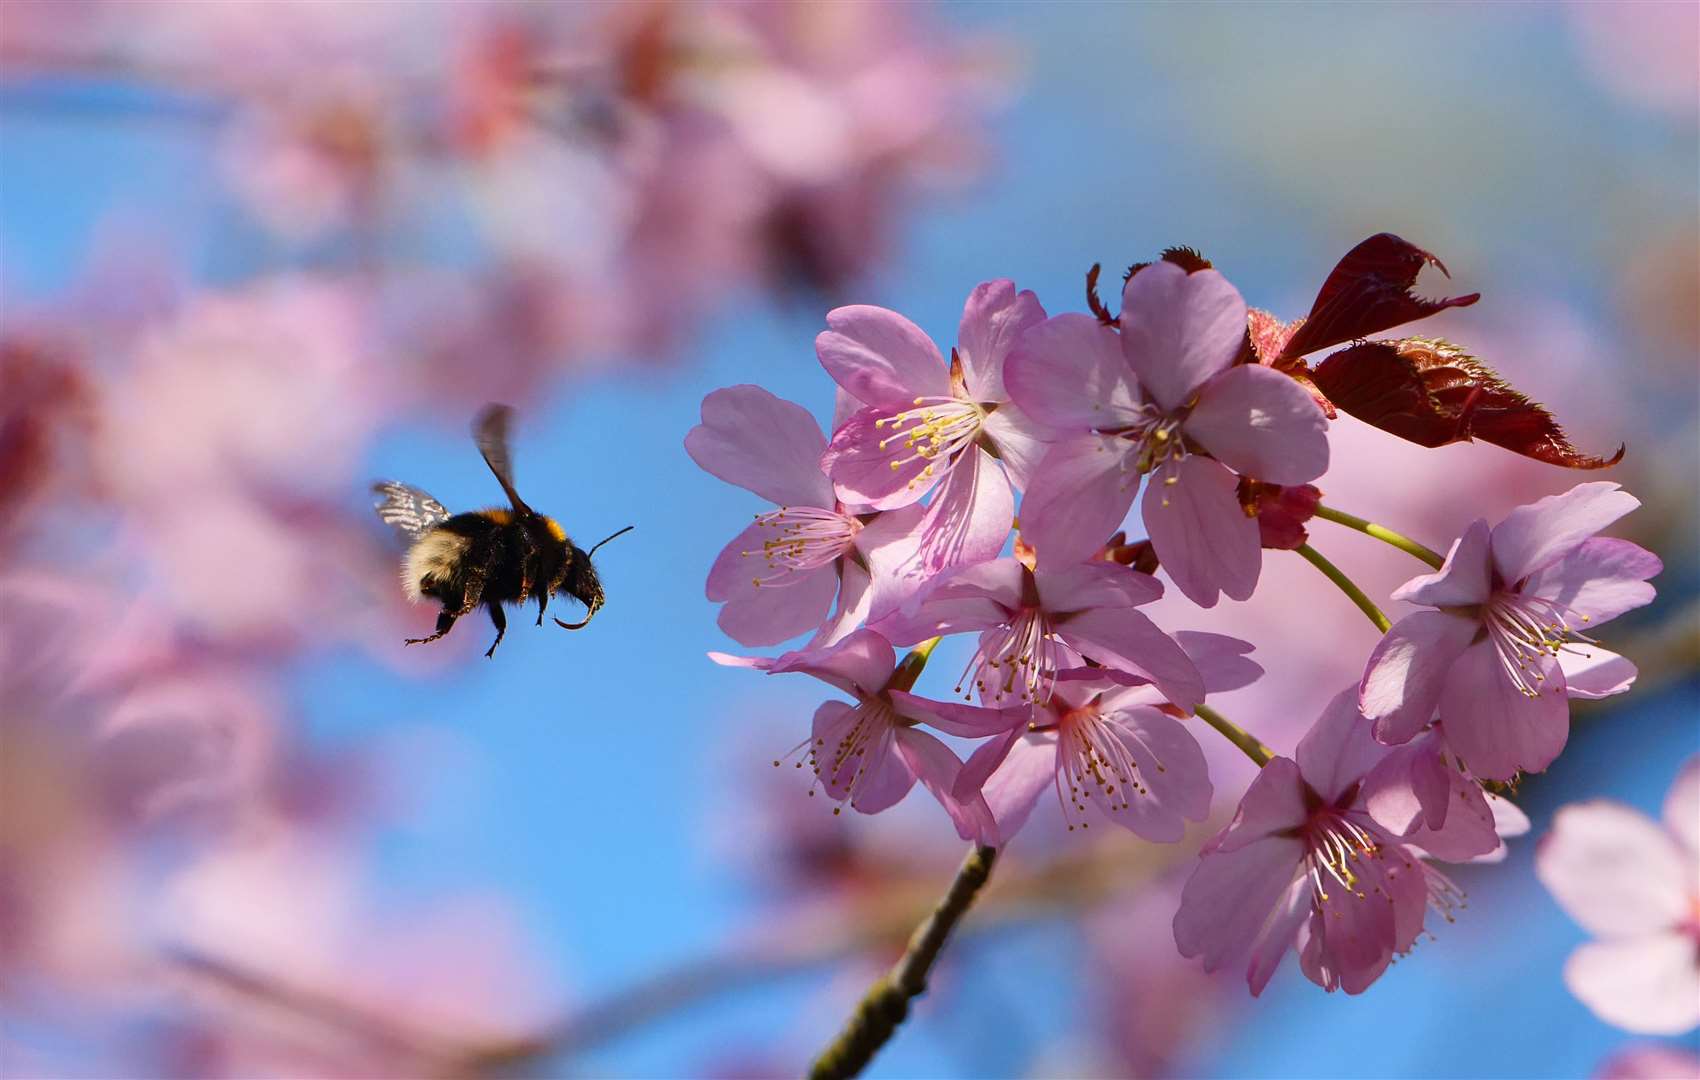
(1426, 796)
(1503, 651)
(870, 754)
(923, 424)
(1034, 624)
(1636, 886)
(1164, 397)
(1649, 1061)
(1115, 747)
(1305, 863)
(778, 577)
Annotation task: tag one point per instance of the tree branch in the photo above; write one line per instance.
(886, 1003)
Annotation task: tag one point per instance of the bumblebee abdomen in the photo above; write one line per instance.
(434, 558)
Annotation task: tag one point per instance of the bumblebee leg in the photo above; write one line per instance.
(501, 620)
(528, 567)
(542, 605)
(444, 622)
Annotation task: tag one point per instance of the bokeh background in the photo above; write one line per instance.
(255, 255)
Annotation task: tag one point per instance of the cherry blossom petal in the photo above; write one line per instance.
(992, 321)
(831, 724)
(1171, 765)
(1221, 660)
(1594, 672)
(756, 663)
(880, 357)
(1648, 1061)
(860, 458)
(986, 759)
(887, 544)
(1179, 330)
(936, 767)
(888, 778)
(1648, 985)
(1229, 897)
(755, 615)
(854, 599)
(1261, 423)
(1272, 807)
(860, 664)
(1411, 788)
(1682, 807)
(956, 718)
(1600, 579)
(1614, 871)
(762, 443)
(1470, 830)
(1020, 443)
(1496, 729)
(1465, 578)
(1277, 936)
(1353, 938)
(1078, 497)
(1028, 767)
(1069, 375)
(970, 516)
(1532, 536)
(1406, 673)
(971, 598)
(1508, 820)
(1202, 537)
(1094, 584)
(1338, 750)
(1125, 639)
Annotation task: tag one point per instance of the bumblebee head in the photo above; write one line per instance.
(582, 584)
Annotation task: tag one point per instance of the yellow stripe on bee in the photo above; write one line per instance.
(500, 517)
(555, 530)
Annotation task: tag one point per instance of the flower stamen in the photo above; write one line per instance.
(804, 538)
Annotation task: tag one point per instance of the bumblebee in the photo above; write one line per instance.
(489, 557)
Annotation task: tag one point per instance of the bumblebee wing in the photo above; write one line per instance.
(412, 512)
(490, 431)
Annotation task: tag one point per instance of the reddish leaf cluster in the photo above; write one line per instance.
(1434, 393)
(1421, 389)
(1367, 292)
(1424, 390)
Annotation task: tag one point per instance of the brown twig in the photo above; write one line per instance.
(886, 1003)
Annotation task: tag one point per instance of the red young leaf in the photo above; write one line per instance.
(1433, 393)
(1093, 303)
(1367, 292)
(1186, 258)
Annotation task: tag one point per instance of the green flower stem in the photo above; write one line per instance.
(1347, 586)
(911, 666)
(1382, 533)
(886, 1003)
(1237, 735)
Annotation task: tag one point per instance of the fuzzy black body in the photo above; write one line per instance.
(487, 558)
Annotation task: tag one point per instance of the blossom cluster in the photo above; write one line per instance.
(989, 495)
(592, 157)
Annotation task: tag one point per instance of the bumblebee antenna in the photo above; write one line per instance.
(605, 539)
(590, 612)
